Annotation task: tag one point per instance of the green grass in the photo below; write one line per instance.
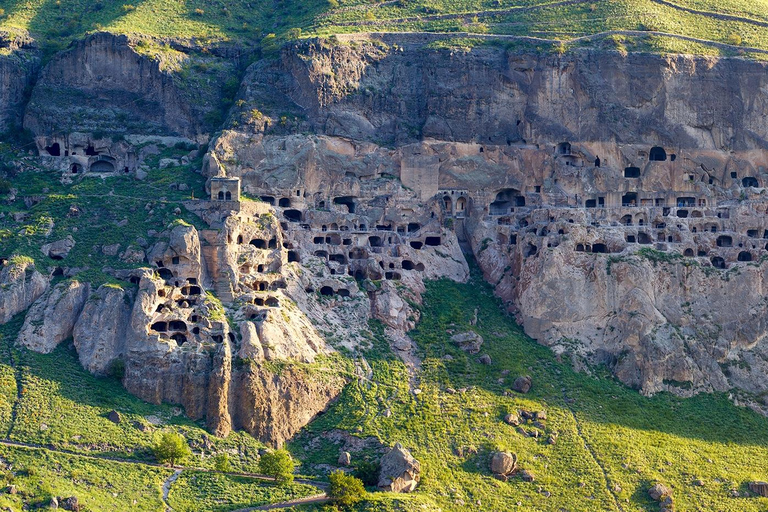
(90, 210)
(215, 492)
(264, 24)
(66, 408)
(99, 485)
(635, 440)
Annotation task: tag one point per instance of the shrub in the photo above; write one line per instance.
(346, 490)
(279, 465)
(199, 12)
(171, 448)
(368, 472)
(221, 463)
(734, 39)
(117, 369)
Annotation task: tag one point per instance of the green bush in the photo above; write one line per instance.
(171, 448)
(279, 465)
(368, 472)
(345, 489)
(221, 463)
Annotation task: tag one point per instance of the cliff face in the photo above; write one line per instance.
(110, 83)
(19, 62)
(616, 204)
(397, 93)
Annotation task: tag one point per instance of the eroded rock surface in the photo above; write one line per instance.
(52, 318)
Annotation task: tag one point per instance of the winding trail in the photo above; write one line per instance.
(592, 453)
(308, 500)
(167, 488)
(425, 37)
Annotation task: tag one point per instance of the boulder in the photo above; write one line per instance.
(759, 488)
(485, 359)
(512, 419)
(522, 384)
(503, 463)
(527, 476)
(71, 503)
(400, 472)
(469, 342)
(59, 249)
(659, 491)
(345, 458)
(114, 417)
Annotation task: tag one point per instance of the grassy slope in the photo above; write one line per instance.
(250, 22)
(195, 491)
(142, 206)
(65, 408)
(635, 440)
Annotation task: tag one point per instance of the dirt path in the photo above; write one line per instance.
(309, 500)
(458, 15)
(425, 37)
(593, 454)
(167, 488)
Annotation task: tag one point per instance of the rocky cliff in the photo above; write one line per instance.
(19, 63)
(615, 202)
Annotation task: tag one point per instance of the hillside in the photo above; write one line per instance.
(480, 254)
(731, 27)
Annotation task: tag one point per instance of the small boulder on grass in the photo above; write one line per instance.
(759, 488)
(114, 417)
(522, 384)
(503, 463)
(659, 491)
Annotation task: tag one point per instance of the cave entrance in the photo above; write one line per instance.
(657, 154)
(506, 199)
(749, 182)
(54, 149)
(347, 201)
(629, 199)
(632, 172)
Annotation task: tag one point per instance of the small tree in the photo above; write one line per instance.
(279, 465)
(221, 463)
(346, 490)
(171, 448)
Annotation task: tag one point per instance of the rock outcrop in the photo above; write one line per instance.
(52, 318)
(399, 471)
(20, 286)
(121, 90)
(19, 63)
(101, 328)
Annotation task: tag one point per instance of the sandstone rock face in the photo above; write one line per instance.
(99, 333)
(52, 318)
(273, 407)
(501, 97)
(400, 472)
(20, 286)
(17, 71)
(119, 90)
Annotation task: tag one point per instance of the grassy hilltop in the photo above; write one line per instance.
(736, 27)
